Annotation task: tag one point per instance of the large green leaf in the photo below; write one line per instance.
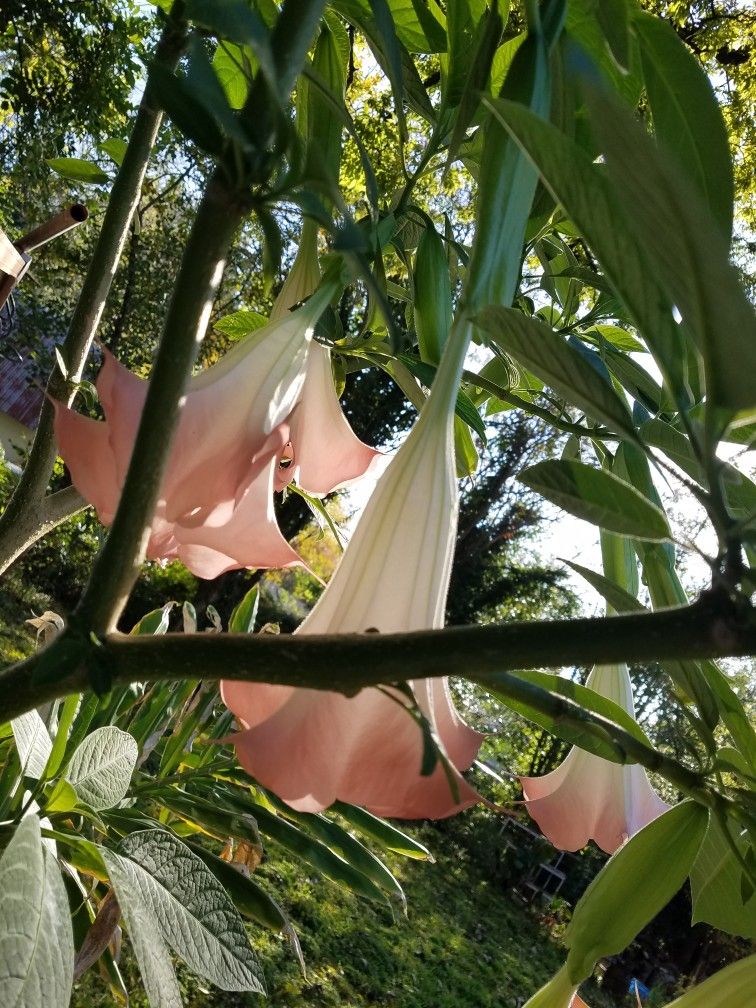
(597, 496)
(731, 987)
(551, 359)
(156, 875)
(633, 886)
(506, 180)
(147, 940)
(686, 251)
(102, 766)
(583, 190)
(419, 25)
(36, 939)
(715, 881)
(587, 22)
(234, 66)
(33, 743)
(686, 115)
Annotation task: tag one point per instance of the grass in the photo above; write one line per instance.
(463, 942)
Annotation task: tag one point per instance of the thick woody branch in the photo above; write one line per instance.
(710, 628)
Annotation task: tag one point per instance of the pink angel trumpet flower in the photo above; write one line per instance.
(312, 747)
(326, 454)
(590, 798)
(233, 446)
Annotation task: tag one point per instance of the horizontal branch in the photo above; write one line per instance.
(712, 627)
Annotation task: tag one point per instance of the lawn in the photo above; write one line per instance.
(464, 941)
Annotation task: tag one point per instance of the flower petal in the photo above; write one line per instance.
(364, 750)
(313, 747)
(248, 534)
(589, 798)
(85, 446)
(327, 454)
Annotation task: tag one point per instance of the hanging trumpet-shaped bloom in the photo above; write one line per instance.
(326, 452)
(312, 747)
(589, 798)
(267, 412)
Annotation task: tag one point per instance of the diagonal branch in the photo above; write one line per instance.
(23, 521)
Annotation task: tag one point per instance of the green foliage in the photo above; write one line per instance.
(36, 963)
(462, 173)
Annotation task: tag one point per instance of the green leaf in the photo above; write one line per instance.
(551, 359)
(583, 190)
(36, 939)
(614, 335)
(78, 170)
(320, 107)
(686, 250)
(147, 941)
(234, 66)
(506, 184)
(686, 115)
(102, 766)
(33, 743)
(592, 738)
(597, 496)
(731, 987)
(154, 622)
(249, 898)
(187, 113)
(383, 833)
(237, 22)
(589, 25)
(68, 713)
(715, 883)
(675, 446)
(62, 798)
(115, 149)
(633, 886)
(614, 18)
(433, 297)
(419, 25)
(245, 613)
(619, 599)
(239, 324)
(156, 875)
